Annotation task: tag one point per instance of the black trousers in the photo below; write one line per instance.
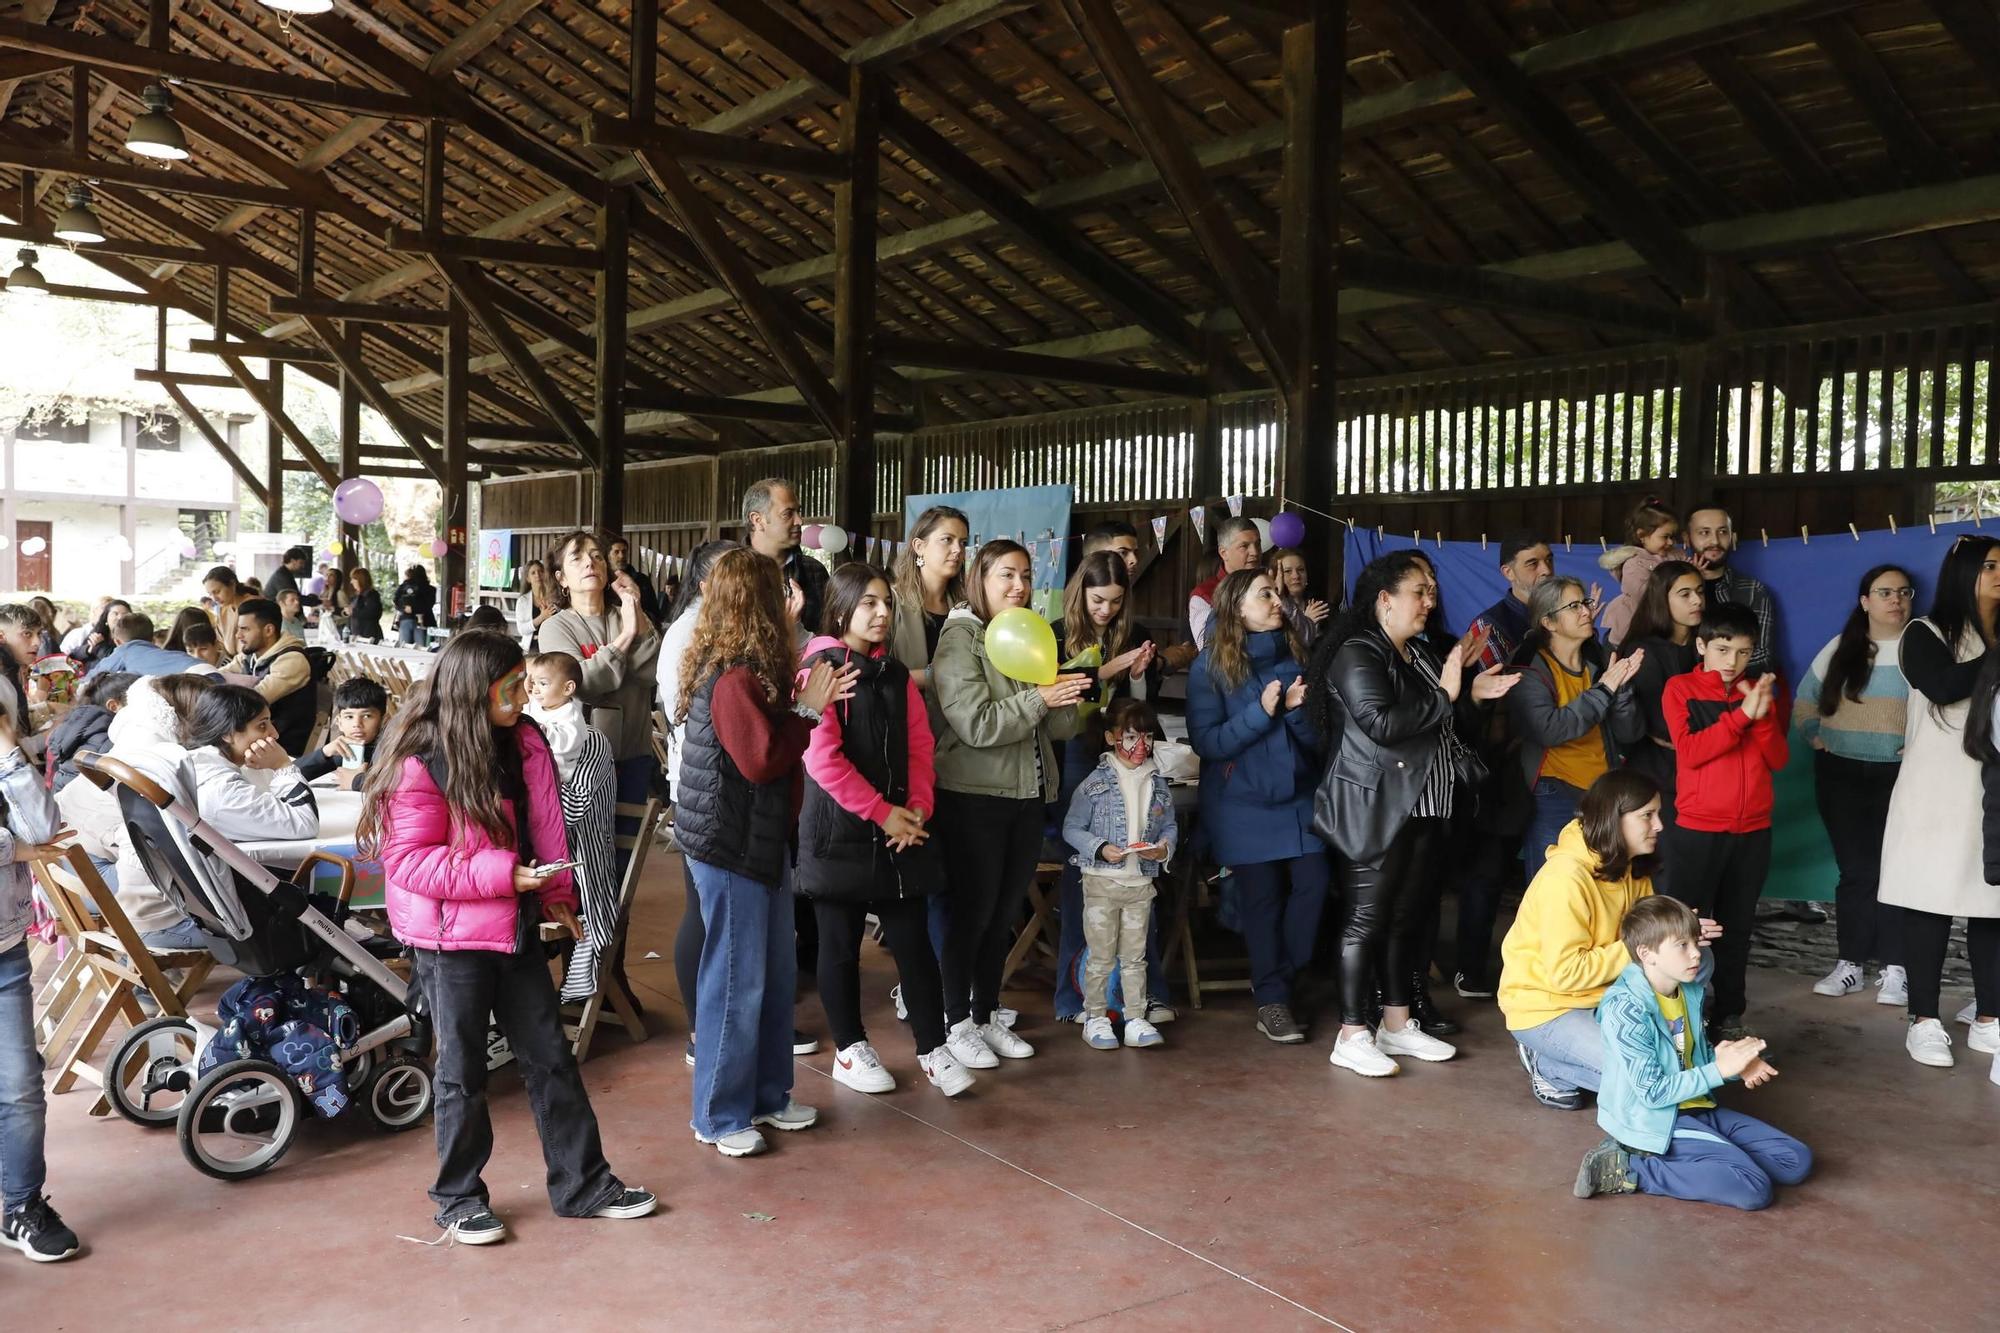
(906, 930)
(462, 988)
(1720, 875)
(1488, 864)
(1927, 936)
(1853, 796)
(991, 846)
(1382, 942)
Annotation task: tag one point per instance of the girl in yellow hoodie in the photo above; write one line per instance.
(1562, 952)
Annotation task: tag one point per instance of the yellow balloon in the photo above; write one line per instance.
(1023, 647)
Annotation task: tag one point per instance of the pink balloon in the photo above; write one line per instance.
(1287, 529)
(809, 536)
(358, 501)
(440, 547)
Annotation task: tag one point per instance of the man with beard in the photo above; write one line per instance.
(1712, 537)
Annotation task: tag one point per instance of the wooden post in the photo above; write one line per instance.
(1315, 58)
(456, 506)
(854, 204)
(274, 454)
(613, 230)
(350, 453)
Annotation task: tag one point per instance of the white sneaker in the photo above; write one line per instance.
(1138, 1032)
(859, 1068)
(1098, 1036)
(1929, 1044)
(969, 1047)
(794, 1116)
(1359, 1054)
(1984, 1037)
(1845, 979)
(1414, 1042)
(1967, 1014)
(902, 1010)
(1003, 1042)
(1006, 1017)
(1893, 987)
(944, 1071)
(740, 1143)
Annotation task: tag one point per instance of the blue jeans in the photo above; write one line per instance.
(23, 1109)
(183, 934)
(409, 631)
(1555, 806)
(1725, 1157)
(744, 992)
(1569, 1049)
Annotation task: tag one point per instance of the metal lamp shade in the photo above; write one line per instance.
(26, 278)
(77, 223)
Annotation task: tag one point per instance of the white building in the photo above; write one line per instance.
(112, 504)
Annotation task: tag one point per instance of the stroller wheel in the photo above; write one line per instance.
(150, 1071)
(240, 1119)
(399, 1096)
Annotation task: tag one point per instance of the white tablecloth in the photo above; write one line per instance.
(339, 813)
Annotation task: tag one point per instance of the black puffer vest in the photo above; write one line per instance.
(842, 856)
(721, 817)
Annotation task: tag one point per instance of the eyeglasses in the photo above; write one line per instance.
(1581, 603)
(1898, 594)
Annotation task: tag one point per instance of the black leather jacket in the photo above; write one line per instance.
(1391, 726)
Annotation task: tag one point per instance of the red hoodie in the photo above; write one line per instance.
(1725, 760)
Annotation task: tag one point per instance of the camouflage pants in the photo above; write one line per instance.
(1115, 916)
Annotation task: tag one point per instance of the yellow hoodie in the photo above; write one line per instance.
(1563, 951)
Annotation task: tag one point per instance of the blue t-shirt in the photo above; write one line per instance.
(147, 659)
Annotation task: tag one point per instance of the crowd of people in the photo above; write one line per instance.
(847, 757)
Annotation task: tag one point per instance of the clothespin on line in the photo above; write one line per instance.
(1855, 531)
(1805, 537)
(1765, 535)
(1892, 526)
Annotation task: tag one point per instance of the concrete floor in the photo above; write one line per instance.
(1217, 1180)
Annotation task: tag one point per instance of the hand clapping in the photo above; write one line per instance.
(826, 686)
(1756, 697)
(1064, 691)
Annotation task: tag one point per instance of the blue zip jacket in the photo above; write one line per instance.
(1643, 1083)
(1097, 816)
(1258, 771)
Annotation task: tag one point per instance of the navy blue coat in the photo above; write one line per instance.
(1258, 772)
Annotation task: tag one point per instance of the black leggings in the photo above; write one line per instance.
(991, 845)
(1853, 797)
(1382, 942)
(906, 930)
(1927, 937)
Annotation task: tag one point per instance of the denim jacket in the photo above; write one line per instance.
(1097, 816)
(30, 817)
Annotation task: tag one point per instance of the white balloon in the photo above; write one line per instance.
(1263, 532)
(832, 540)
(5, 543)
(33, 546)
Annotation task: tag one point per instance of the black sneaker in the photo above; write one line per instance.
(803, 1044)
(631, 1203)
(477, 1228)
(1547, 1093)
(1606, 1169)
(36, 1231)
(1276, 1022)
(1425, 1012)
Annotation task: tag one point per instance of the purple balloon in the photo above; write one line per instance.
(358, 501)
(1287, 529)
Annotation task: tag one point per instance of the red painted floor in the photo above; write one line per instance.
(1219, 1182)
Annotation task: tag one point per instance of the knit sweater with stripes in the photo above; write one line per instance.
(1871, 729)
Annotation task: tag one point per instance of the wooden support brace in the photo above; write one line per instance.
(265, 395)
(485, 250)
(601, 131)
(475, 289)
(366, 312)
(221, 446)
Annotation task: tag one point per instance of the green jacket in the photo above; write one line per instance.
(907, 643)
(996, 727)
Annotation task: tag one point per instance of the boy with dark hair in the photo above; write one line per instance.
(1728, 729)
(1666, 1134)
(88, 725)
(1114, 534)
(137, 653)
(359, 706)
(203, 644)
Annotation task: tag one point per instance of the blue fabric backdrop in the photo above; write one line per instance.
(1813, 580)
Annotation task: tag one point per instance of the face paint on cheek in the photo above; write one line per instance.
(501, 697)
(1135, 747)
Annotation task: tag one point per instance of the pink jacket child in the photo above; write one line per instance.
(1634, 567)
(450, 888)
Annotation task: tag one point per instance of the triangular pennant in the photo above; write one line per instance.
(1200, 516)
(1160, 531)
(1235, 503)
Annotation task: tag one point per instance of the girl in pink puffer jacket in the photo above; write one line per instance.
(464, 814)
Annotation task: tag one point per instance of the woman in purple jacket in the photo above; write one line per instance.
(464, 815)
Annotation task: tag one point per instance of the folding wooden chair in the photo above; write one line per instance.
(115, 966)
(611, 993)
(1040, 931)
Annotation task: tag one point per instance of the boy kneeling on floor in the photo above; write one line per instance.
(1126, 795)
(1667, 1135)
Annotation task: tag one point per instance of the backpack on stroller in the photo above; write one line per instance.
(239, 1115)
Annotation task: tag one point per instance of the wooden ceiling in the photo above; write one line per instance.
(1518, 178)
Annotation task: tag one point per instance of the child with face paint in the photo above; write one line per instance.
(1121, 823)
(464, 815)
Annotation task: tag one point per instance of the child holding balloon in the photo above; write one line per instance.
(1004, 705)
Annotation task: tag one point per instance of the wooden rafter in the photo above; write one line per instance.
(475, 289)
(269, 400)
(973, 359)
(346, 352)
(200, 421)
(1458, 284)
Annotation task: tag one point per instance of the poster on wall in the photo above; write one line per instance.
(496, 559)
(1035, 516)
(1812, 580)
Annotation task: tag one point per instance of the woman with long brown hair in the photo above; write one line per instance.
(462, 810)
(743, 732)
(929, 582)
(1260, 761)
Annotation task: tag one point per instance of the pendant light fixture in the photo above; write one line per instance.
(26, 278)
(155, 133)
(78, 223)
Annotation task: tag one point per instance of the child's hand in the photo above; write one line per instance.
(347, 779)
(526, 880)
(1157, 852)
(337, 748)
(1758, 1072)
(903, 829)
(562, 916)
(1733, 1057)
(1111, 853)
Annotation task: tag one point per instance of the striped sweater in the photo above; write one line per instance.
(1870, 730)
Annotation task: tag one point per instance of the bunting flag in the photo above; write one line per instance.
(1160, 531)
(1200, 516)
(871, 550)
(1235, 503)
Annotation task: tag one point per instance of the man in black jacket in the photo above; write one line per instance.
(285, 578)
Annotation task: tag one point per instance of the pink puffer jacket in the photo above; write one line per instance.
(454, 889)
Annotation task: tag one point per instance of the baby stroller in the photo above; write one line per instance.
(239, 1119)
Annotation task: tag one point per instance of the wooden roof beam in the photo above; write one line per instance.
(39, 233)
(486, 250)
(260, 349)
(476, 290)
(347, 355)
(686, 145)
(274, 408)
(216, 442)
(102, 52)
(16, 153)
(319, 307)
(1466, 285)
(972, 359)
